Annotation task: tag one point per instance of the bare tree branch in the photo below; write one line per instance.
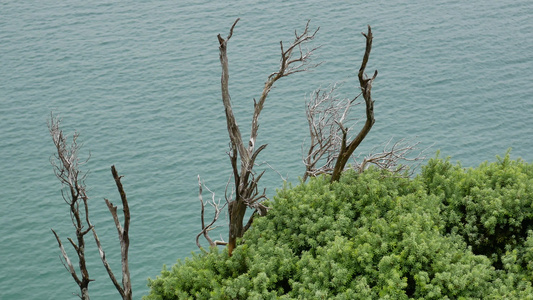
(250, 221)
(233, 128)
(283, 178)
(325, 114)
(347, 148)
(209, 227)
(247, 194)
(68, 264)
(288, 65)
(66, 167)
(330, 148)
(123, 234)
(395, 157)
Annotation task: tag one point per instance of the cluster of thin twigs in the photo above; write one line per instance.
(67, 169)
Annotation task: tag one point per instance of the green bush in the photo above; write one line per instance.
(449, 233)
(491, 206)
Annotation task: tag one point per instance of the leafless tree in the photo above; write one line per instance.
(67, 169)
(330, 149)
(324, 111)
(327, 116)
(123, 235)
(246, 194)
(365, 83)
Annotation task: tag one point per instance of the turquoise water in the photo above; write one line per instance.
(140, 82)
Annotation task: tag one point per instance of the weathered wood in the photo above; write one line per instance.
(66, 168)
(365, 83)
(246, 183)
(210, 226)
(124, 289)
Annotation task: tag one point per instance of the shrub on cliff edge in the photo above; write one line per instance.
(449, 233)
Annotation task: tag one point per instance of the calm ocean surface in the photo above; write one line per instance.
(140, 82)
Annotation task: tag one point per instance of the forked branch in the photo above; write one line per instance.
(330, 148)
(293, 59)
(124, 289)
(67, 169)
(347, 148)
(324, 112)
(210, 226)
(289, 64)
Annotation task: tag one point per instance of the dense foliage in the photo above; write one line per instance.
(449, 233)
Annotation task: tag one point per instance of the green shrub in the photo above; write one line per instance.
(449, 233)
(491, 206)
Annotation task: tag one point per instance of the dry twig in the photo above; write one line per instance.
(210, 226)
(67, 169)
(396, 157)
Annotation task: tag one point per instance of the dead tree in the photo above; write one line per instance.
(246, 194)
(329, 149)
(67, 170)
(123, 235)
(347, 148)
(324, 110)
(327, 116)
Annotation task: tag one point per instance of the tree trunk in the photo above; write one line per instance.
(237, 209)
(85, 292)
(245, 179)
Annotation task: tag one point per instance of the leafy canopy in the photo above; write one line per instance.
(449, 233)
